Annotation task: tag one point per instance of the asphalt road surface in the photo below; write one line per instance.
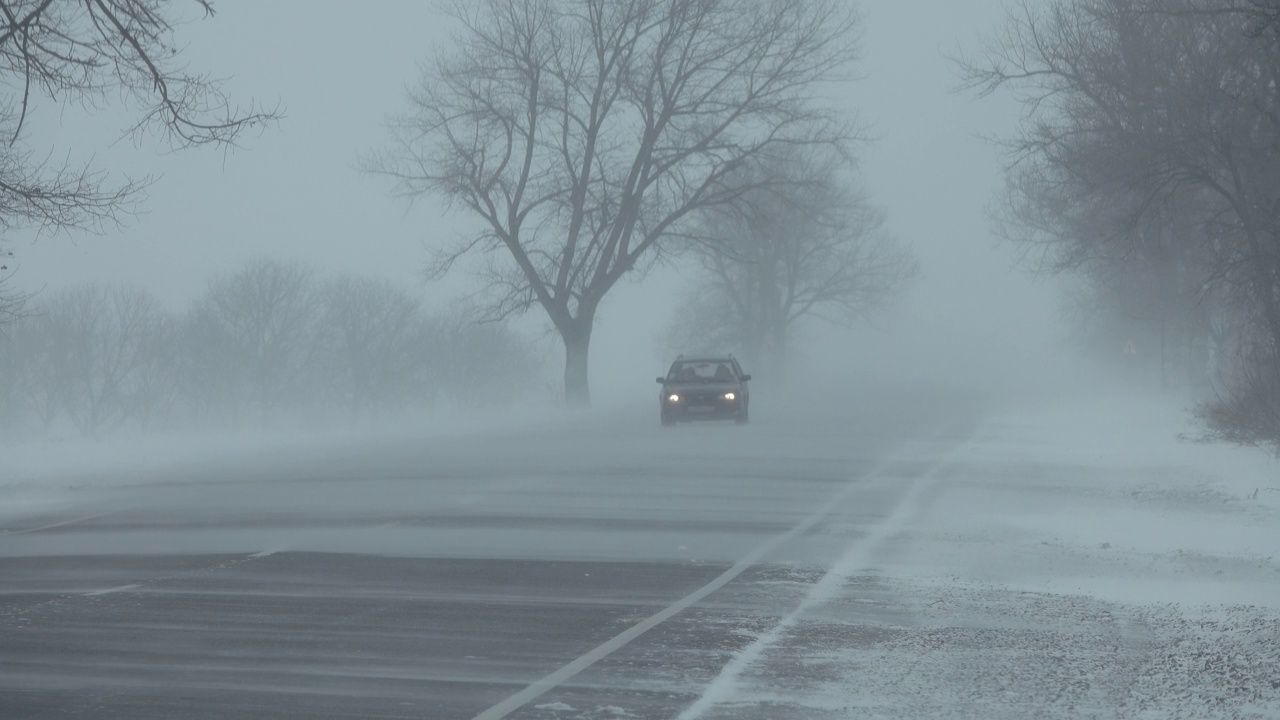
(614, 567)
(597, 567)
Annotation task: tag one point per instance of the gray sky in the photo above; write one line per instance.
(294, 193)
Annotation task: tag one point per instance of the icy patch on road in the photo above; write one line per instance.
(555, 707)
(970, 650)
(727, 684)
(565, 711)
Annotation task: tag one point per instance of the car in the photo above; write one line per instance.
(704, 388)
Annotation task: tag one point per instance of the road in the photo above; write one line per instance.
(597, 567)
(439, 577)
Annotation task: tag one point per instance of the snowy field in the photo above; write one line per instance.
(1061, 560)
(1074, 561)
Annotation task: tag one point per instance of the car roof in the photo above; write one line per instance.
(705, 359)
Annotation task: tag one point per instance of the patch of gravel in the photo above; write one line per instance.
(1221, 662)
(981, 651)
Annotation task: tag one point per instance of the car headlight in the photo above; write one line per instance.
(730, 396)
(673, 398)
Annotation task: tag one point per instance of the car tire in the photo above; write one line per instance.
(741, 419)
(667, 420)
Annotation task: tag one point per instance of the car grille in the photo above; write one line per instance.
(701, 398)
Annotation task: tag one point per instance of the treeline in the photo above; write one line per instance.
(802, 242)
(271, 344)
(1148, 166)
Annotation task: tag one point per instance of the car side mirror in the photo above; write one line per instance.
(745, 378)
(662, 380)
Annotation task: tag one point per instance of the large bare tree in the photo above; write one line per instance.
(11, 300)
(92, 53)
(805, 243)
(254, 327)
(581, 134)
(1149, 160)
(371, 339)
(90, 354)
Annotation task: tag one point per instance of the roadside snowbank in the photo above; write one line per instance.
(1071, 560)
(1115, 506)
(48, 476)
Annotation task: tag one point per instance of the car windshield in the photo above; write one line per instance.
(701, 371)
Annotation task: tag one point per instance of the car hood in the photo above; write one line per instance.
(708, 386)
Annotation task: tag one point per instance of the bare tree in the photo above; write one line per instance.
(11, 410)
(249, 337)
(479, 365)
(148, 389)
(1247, 411)
(85, 355)
(582, 133)
(12, 301)
(804, 243)
(266, 343)
(372, 339)
(1151, 145)
(33, 365)
(91, 52)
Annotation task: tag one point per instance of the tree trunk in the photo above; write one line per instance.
(577, 390)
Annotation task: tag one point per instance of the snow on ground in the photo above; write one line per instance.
(1073, 560)
(47, 477)
(50, 476)
(1070, 560)
(1115, 506)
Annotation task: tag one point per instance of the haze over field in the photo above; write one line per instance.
(328, 339)
(294, 193)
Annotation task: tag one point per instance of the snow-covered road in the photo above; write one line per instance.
(896, 558)
(1072, 561)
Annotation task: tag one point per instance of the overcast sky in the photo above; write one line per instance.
(294, 192)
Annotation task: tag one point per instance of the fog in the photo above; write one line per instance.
(949, 501)
(294, 193)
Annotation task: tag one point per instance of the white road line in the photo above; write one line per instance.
(135, 586)
(108, 591)
(855, 559)
(544, 685)
(8, 533)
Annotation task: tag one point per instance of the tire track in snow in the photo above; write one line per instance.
(61, 524)
(859, 555)
(898, 518)
(550, 682)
